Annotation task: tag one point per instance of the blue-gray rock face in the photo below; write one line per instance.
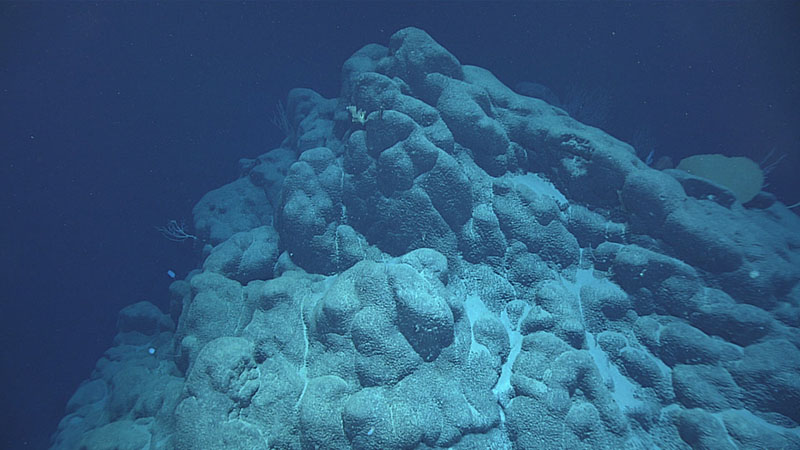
(432, 260)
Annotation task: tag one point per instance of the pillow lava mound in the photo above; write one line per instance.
(433, 261)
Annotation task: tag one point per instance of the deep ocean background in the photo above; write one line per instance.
(115, 118)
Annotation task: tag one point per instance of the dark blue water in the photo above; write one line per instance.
(115, 118)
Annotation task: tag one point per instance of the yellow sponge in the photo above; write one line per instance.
(738, 174)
